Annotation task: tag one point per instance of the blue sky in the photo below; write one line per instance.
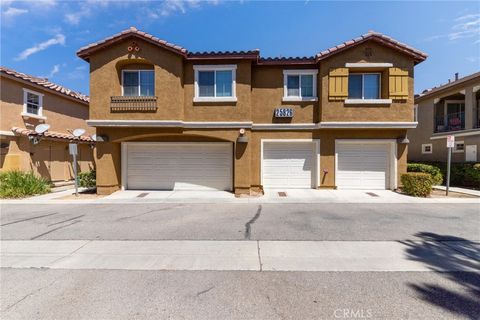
(41, 37)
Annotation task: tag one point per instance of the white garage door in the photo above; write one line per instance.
(362, 165)
(288, 164)
(178, 166)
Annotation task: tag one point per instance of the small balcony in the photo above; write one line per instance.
(133, 104)
(450, 122)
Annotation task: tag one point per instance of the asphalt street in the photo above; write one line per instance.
(240, 222)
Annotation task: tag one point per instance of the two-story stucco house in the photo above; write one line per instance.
(26, 102)
(449, 109)
(174, 119)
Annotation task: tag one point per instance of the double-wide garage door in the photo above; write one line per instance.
(178, 166)
(363, 165)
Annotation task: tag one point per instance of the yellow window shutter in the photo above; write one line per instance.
(338, 84)
(398, 84)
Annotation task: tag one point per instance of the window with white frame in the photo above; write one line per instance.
(138, 82)
(364, 86)
(427, 148)
(215, 82)
(299, 85)
(32, 103)
(459, 147)
(415, 113)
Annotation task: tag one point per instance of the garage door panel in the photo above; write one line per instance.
(362, 165)
(179, 166)
(288, 164)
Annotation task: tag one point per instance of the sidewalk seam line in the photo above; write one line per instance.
(259, 256)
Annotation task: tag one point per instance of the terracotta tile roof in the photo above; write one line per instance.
(446, 86)
(287, 60)
(252, 54)
(418, 55)
(51, 135)
(85, 52)
(45, 84)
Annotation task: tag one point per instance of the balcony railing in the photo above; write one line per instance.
(451, 122)
(133, 104)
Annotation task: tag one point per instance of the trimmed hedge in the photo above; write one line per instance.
(19, 184)
(433, 171)
(87, 179)
(465, 175)
(417, 184)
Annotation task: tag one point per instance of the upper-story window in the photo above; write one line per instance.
(32, 103)
(364, 86)
(300, 85)
(138, 82)
(215, 83)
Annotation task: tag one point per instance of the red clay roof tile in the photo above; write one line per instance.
(51, 135)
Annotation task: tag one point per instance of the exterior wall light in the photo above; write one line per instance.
(242, 138)
(403, 140)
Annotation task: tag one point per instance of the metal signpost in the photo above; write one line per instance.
(72, 147)
(450, 146)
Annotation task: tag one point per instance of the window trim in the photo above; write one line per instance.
(300, 72)
(25, 113)
(215, 68)
(455, 150)
(138, 71)
(427, 145)
(363, 87)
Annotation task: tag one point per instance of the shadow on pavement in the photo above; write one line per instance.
(436, 252)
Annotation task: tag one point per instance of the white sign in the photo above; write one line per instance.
(450, 141)
(283, 112)
(72, 147)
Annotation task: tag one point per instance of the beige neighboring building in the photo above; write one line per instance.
(236, 121)
(28, 101)
(450, 109)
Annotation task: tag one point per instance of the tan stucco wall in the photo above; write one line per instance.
(338, 111)
(62, 113)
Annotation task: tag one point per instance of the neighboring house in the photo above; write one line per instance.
(450, 109)
(174, 119)
(28, 101)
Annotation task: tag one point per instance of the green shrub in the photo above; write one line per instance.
(19, 184)
(465, 175)
(87, 179)
(433, 171)
(417, 184)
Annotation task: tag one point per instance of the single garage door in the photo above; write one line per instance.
(178, 166)
(288, 164)
(363, 165)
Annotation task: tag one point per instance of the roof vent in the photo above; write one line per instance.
(456, 76)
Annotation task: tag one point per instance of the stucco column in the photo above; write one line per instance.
(469, 107)
(242, 164)
(108, 166)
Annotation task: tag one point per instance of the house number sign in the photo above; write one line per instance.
(283, 112)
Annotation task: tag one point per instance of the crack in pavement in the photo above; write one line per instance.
(23, 220)
(66, 220)
(40, 235)
(144, 213)
(248, 225)
(30, 294)
(204, 291)
(259, 256)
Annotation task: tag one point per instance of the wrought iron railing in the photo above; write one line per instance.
(133, 104)
(450, 122)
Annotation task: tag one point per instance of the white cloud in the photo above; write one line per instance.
(169, 7)
(13, 12)
(54, 71)
(58, 39)
(467, 26)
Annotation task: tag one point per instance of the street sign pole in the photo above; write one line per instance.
(450, 146)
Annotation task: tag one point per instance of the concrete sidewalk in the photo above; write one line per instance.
(270, 196)
(470, 192)
(243, 255)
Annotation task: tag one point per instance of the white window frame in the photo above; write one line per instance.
(214, 68)
(300, 72)
(363, 87)
(138, 71)
(455, 150)
(427, 145)
(415, 113)
(40, 105)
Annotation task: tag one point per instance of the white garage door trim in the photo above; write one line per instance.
(124, 156)
(316, 151)
(392, 179)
